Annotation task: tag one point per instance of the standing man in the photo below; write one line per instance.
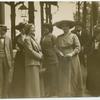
(6, 62)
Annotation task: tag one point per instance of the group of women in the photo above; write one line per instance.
(58, 57)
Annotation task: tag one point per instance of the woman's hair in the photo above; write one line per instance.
(49, 26)
(27, 28)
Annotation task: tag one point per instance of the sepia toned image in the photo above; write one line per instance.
(49, 49)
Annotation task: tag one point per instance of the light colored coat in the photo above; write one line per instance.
(32, 51)
(33, 56)
(9, 51)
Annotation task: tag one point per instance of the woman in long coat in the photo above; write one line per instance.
(33, 58)
(50, 61)
(70, 73)
(18, 83)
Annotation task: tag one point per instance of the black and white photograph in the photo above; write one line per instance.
(49, 49)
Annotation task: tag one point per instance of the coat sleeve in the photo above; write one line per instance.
(77, 46)
(30, 50)
(11, 52)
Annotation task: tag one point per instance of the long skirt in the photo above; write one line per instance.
(70, 77)
(51, 80)
(32, 81)
(18, 82)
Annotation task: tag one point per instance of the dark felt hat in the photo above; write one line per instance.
(4, 27)
(20, 26)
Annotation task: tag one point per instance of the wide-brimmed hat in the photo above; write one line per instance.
(20, 26)
(63, 23)
(4, 27)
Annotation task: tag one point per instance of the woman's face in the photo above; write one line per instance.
(22, 31)
(65, 29)
(32, 29)
(46, 30)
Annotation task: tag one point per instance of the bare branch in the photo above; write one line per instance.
(8, 3)
(18, 3)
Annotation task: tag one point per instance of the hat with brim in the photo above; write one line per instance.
(4, 27)
(64, 23)
(20, 26)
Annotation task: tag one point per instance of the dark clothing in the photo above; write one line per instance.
(93, 80)
(18, 84)
(50, 62)
(48, 43)
(51, 80)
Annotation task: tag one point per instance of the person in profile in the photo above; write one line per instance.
(18, 82)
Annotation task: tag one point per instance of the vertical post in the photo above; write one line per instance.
(78, 10)
(2, 13)
(50, 15)
(95, 12)
(84, 14)
(31, 12)
(47, 11)
(91, 21)
(42, 17)
(13, 23)
(42, 22)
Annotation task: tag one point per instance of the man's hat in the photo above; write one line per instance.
(4, 27)
(20, 26)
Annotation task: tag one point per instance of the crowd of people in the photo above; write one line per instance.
(56, 60)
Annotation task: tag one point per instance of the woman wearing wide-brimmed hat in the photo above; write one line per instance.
(18, 83)
(70, 74)
(93, 69)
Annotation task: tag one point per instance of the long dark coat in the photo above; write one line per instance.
(18, 83)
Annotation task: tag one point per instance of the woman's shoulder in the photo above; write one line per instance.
(73, 35)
